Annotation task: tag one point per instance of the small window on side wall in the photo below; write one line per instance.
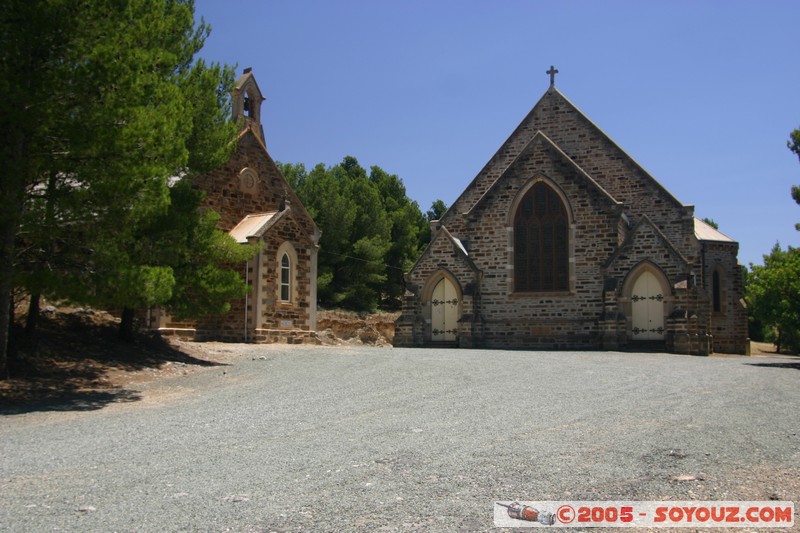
(716, 292)
(286, 278)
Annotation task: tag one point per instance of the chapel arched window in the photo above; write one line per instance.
(286, 277)
(541, 242)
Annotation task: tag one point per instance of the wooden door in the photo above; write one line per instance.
(648, 308)
(444, 312)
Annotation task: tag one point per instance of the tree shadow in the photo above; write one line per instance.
(795, 366)
(77, 363)
(62, 400)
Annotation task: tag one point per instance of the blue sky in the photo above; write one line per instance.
(703, 94)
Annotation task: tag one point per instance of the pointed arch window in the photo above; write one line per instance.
(286, 278)
(286, 269)
(249, 103)
(541, 242)
(718, 293)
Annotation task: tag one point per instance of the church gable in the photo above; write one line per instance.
(445, 252)
(248, 183)
(542, 156)
(645, 242)
(591, 217)
(563, 241)
(287, 227)
(555, 117)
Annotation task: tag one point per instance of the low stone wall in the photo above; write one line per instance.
(377, 329)
(333, 327)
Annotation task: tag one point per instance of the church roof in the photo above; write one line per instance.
(706, 232)
(253, 225)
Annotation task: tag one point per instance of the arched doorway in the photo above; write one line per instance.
(647, 308)
(444, 312)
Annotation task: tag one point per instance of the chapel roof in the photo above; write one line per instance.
(706, 232)
(253, 225)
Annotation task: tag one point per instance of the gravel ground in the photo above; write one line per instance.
(374, 439)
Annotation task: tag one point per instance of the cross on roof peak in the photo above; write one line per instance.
(552, 73)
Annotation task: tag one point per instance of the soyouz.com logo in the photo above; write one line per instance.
(769, 514)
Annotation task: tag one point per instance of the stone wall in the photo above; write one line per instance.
(599, 156)
(232, 195)
(621, 221)
(551, 319)
(728, 325)
(443, 258)
(250, 183)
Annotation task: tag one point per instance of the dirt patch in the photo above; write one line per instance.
(764, 348)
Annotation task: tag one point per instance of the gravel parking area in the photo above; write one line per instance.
(374, 439)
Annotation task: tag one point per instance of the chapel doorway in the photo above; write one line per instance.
(444, 312)
(647, 308)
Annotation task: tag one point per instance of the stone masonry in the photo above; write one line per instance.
(251, 185)
(625, 231)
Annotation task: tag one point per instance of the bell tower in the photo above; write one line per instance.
(247, 99)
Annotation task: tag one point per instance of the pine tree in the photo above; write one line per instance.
(408, 226)
(773, 292)
(794, 145)
(371, 232)
(103, 103)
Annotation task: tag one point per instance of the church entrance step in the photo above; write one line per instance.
(441, 344)
(647, 346)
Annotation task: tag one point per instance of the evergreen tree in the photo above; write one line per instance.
(364, 272)
(295, 174)
(371, 232)
(794, 145)
(773, 292)
(408, 227)
(103, 102)
(175, 260)
(437, 210)
(327, 199)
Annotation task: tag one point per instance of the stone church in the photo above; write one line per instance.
(257, 205)
(562, 241)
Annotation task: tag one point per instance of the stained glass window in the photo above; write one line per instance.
(541, 242)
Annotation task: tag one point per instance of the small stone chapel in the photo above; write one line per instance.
(562, 241)
(257, 205)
